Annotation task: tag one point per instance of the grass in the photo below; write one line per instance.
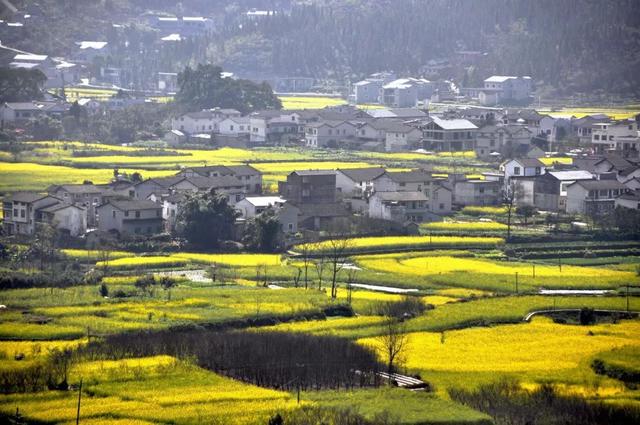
(70, 312)
(400, 406)
(151, 390)
(491, 274)
(625, 358)
(537, 352)
(183, 259)
(390, 243)
(15, 355)
(460, 226)
(481, 211)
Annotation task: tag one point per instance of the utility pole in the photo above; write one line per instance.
(79, 400)
(627, 297)
(516, 282)
(534, 271)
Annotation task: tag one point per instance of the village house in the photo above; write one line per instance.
(130, 217)
(620, 136)
(449, 135)
(594, 197)
(477, 192)
(438, 195)
(69, 218)
(328, 133)
(522, 167)
(501, 139)
(87, 196)
(629, 200)
(205, 121)
(250, 177)
(400, 206)
(500, 89)
(582, 128)
(405, 92)
(309, 187)
(550, 189)
(286, 213)
(22, 211)
(273, 126)
(22, 112)
(368, 90)
(355, 185)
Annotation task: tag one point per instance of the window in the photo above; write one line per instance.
(538, 170)
(402, 184)
(126, 213)
(516, 171)
(113, 213)
(173, 213)
(230, 128)
(15, 212)
(137, 214)
(157, 213)
(136, 230)
(482, 190)
(441, 206)
(238, 197)
(149, 230)
(22, 213)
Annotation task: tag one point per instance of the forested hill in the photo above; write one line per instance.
(574, 46)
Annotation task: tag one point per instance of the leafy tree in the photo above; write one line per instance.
(263, 232)
(393, 341)
(144, 283)
(204, 88)
(45, 128)
(167, 283)
(104, 290)
(21, 85)
(136, 177)
(205, 219)
(511, 193)
(526, 211)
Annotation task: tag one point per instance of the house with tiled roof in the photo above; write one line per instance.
(130, 217)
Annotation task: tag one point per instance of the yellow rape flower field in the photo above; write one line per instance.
(157, 389)
(495, 275)
(536, 352)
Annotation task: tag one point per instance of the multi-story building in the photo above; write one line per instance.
(494, 139)
(328, 133)
(505, 89)
(24, 210)
(477, 192)
(405, 92)
(594, 197)
(309, 187)
(130, 217)
(449, 135)
(615, 136)
(550, 189)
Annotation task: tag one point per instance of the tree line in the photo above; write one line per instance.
(280, 360)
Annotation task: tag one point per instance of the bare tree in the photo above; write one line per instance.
(393, 342)
(305, 250)
(337, 254)
(352, 273)
(297, 272)
(510, 196)
(320, 265)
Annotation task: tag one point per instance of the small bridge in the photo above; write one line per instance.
(404, 381)
(530, 315)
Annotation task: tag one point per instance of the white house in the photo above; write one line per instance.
(205, 121)
(502, 139)
(265, 125)
(449, 134)
(399, 206)
(328, 133)
(502, 88)
(629, 200)
(405, 92)
(593, 197)
(522, 167)
(234, 126)
(287, 213)
(617, 136)
(356, 181)
(67, 217)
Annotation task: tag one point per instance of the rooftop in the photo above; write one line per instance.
(265, 201)
(362, 174)
(401, 196)
(454, 124)
(128, 205)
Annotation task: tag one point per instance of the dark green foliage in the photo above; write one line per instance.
(587, 316)
(628, 221)
(279, 360)
(144, 283)
(407, 308)
(628, 376)
(45, 128)
(317, 415)
(104, 290)
(263, 232)
(206, 219)
(526, 211)
(20, 85)
(204, 88)
(509, 404)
